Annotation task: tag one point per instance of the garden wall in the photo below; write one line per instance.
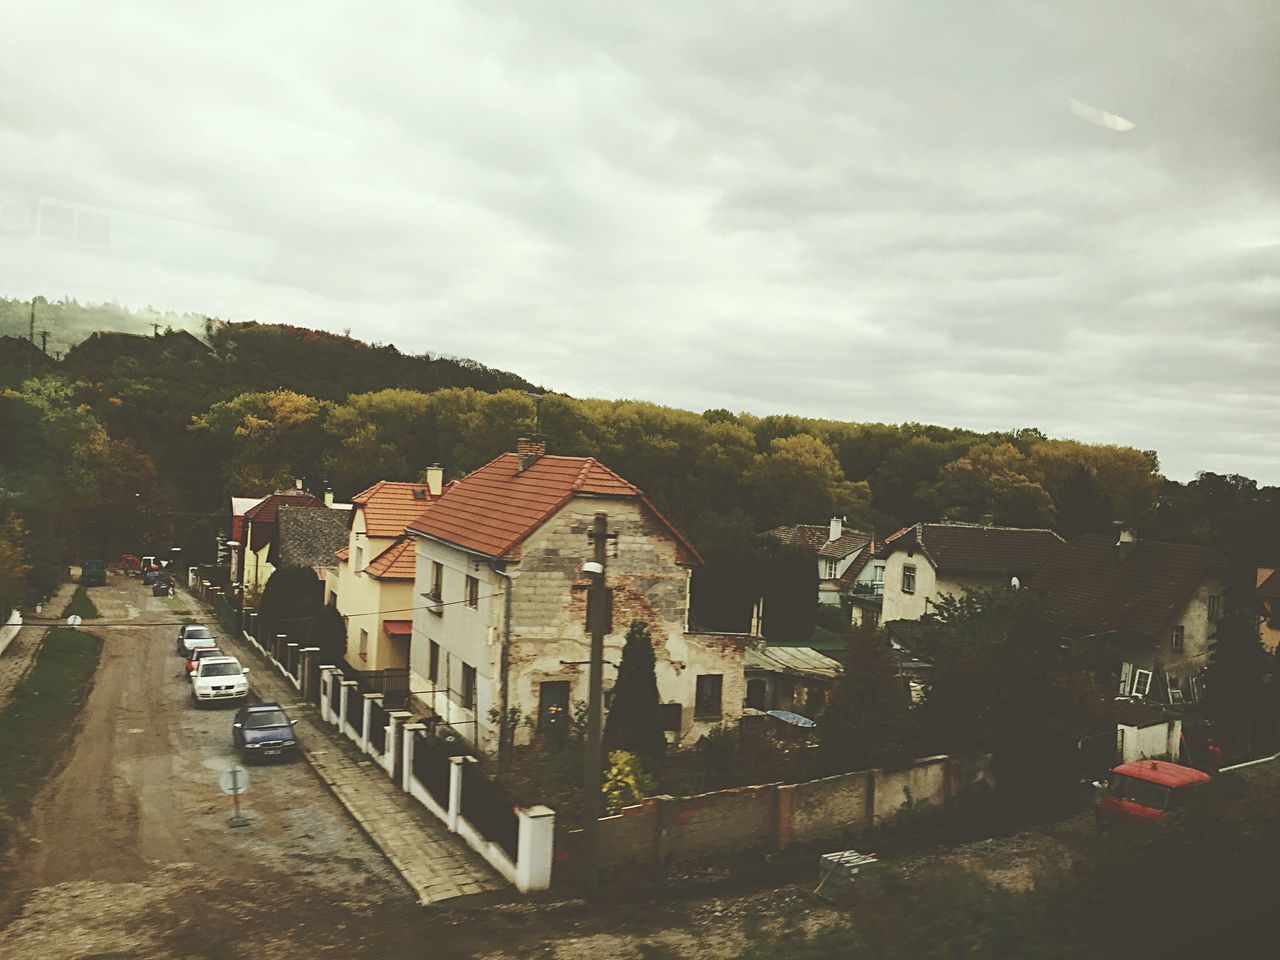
(673, 829)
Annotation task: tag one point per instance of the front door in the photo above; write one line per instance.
(553, 708)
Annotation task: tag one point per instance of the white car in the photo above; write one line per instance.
(193, 635)
(219, 678)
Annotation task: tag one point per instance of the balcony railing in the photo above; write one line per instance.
(867, 589)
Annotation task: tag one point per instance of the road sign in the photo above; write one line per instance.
(74, 620)
(234, 781)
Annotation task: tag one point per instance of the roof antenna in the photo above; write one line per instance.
(537, 412)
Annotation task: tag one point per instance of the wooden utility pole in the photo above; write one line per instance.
(598, 602)
(44, 341)
(32, 334)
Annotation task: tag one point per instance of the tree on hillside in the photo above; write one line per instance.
(868, 721)
(998, 481)
(634, 723)
(1082, 505)
(290, 599)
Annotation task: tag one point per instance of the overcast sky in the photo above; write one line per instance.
(989, 215)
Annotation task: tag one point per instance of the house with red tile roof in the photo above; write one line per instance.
(371, 582)
(259, 550)
(929, 560)
(499, 629)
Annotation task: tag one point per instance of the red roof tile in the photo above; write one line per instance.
(817, 538)
(493, 509)
(394, 563)
(343, 553)
(269, 507)
(389, 506)
(973, 548)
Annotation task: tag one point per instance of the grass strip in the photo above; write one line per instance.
(81, 605)
(39, 717)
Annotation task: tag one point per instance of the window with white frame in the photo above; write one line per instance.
(829, 569)
(1141, 683)
(1177, 637)
(909, 578)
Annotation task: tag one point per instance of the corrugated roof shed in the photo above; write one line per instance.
(797, 661)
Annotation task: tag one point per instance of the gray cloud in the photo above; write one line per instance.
(865, 211)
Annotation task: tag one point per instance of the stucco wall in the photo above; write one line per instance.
(931, 586)
(1197, 634)
(768, 816)
(366, 601)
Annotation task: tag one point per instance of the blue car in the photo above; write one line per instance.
(263, 730)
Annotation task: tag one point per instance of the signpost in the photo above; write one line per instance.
(234, 782)
(74, 620)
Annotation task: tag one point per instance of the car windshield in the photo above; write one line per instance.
(201, 654)
(220, 670)
(1143, 792)
(198, 633)
(263, 719)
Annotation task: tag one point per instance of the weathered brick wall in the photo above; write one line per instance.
(722, 823)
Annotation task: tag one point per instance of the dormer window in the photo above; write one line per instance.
(829, 569)
(419, 493)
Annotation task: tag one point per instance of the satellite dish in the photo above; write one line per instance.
(1015, 583)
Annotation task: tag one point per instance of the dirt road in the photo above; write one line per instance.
(129, 852)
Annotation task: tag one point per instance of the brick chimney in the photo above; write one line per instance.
(529, 449)
(435, 479)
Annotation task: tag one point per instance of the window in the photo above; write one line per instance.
(358, 565)
(1141, 683)
(1176, 639)
(364, 644)
(909, 578)
(433, 664)
(473, 592)
(553, 706)
(333, 600)
(468, 686)
(437, 580)
(829, 569)
(877, 573)
(706, 702)
(1215, 608)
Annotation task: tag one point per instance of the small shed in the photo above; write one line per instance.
(794, 679)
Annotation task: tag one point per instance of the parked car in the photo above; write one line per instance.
(1145, 790)
(198, 654)
(163, 587)
(93, 573)
(219, 678)
(263, 730)
(192, 635)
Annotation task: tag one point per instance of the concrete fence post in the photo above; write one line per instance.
(291, 659)
(326, 679)
(395, 745)
(278, 645)
(665, 833)
(455, 791)
(306, 675)
(535, 848)
(342, 705)
(406, 774)
(364, 721)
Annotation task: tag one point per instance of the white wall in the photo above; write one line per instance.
(10, 629)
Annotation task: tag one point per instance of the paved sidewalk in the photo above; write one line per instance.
(19, 656)
(436, 864)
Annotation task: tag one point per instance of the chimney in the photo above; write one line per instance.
(1126, 541)
(297, 483)
(529, 450)
(837, 528)
(987, 520)
(328, 496)
(435, 479)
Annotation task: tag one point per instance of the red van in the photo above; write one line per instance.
(1144, 789)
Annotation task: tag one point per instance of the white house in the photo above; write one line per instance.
(929, 560)
(499, 633)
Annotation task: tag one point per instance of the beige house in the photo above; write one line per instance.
(1150, 608)
(372, 582)
(925, 562)
(499, 633)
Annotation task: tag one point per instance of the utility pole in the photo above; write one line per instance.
(597, 605)
(32, 334)
(44, 342)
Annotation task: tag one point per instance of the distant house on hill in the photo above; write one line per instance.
(929, 560)
(1151, 606)
(849, 574)
(105, 347)
(20, 359)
